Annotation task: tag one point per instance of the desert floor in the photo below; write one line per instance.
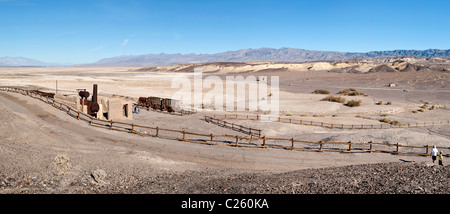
(40, 143)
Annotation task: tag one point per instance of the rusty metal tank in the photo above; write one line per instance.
(84, 94)
(142, 101)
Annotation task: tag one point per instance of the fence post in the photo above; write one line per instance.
(157, 131)
(259, 133)
(396, 152)
(349, 146)
(320, 143)
(184, 134)
(292, 140)
(427, 149)
(264, 141)
(237, 140)
(91, 121)
(132, 128)
(212, 138)
(111, 125)
(78, 116)
(370, 143)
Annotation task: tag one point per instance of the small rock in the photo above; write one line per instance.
(99, 176)
(62, 164)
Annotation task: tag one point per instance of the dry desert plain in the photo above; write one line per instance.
(44, 150)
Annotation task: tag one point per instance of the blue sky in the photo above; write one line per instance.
(84, 31)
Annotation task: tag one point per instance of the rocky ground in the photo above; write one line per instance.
(384, 178)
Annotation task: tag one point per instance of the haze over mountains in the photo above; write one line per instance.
(23, 61)
(243, 55)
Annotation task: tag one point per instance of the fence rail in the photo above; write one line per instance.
(330, 125)
(234, 126)
(235, 140)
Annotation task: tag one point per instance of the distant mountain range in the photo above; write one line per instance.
(243, 55)
(259, 55)
(22, 61)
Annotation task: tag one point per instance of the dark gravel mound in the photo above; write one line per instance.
(382, 68)
(397, 178)
(412, 68)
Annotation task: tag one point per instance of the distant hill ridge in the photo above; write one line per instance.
(243, 55)
(261, 55)
(22, 61)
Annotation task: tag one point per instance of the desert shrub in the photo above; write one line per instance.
(351, 92)
(394, 122)
(389, 103)
(384, 120)
(321, 91)
(421, 110)
(334, 99)
(380, 102)
(414, 112)
(424, 106)
(432, 108)
(353, 103)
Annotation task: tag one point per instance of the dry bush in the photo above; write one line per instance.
(384, 120)
(321, 91)
(351, 92)
(389, 103)
(394, 122)
(334, 99)
(380, 102)
(353, 103)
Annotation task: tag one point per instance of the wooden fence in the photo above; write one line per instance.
(234, 126)
(330, 125)
(236, 140)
